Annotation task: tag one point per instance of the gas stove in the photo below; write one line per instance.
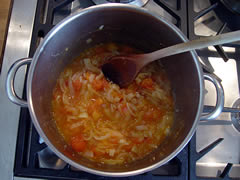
(213, 152)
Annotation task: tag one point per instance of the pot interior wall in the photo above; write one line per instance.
(126, 26)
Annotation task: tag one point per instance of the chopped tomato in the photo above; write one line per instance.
(77, 84)
(147, 83)
(78, 143)
(137, 140)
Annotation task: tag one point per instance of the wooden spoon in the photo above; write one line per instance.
(122, 70)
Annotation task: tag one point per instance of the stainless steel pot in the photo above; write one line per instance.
(124, 24)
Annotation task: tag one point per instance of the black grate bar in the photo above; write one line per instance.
(205, 11)
(221, 52)
(219, 48)
(180, 13)
(209, 148)
(170, 10)
(226, 170)
(61, 4)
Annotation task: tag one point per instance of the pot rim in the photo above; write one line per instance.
(40, 49)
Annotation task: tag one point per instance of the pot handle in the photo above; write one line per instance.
(220, 98)
(11, 93)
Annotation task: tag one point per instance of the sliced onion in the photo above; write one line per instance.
(90, 67)
(101, 137)
(88, 153)
(62, 84)
(99, 76)
(129, 109)
(89, 137)
(141, 127)
(91, 78)
(75, 125)
(112, 152)
(71, 89)
(83, 115)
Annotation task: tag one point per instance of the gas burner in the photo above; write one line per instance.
(235, 117)
(139, 3)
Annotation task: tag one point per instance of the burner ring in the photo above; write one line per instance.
(139, 3)
(235, 117)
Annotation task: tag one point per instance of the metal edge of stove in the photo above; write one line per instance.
(17, 46)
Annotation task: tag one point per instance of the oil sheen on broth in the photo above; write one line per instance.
(107, 124)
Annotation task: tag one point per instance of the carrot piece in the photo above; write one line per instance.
(77, 84)
(105, 82)
(137, 140)
(147, 83)
(124, 108)
(87, 75)
(148, 115)
(78, 143)
(114, 140)
(96, 152)
(98, 85)
(148, 140)
(128, 148)
(66, 82)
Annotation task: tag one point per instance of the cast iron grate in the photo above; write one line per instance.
(178, 10)
(217, 17)
(194, 156)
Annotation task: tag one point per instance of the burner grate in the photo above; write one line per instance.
(195, 156)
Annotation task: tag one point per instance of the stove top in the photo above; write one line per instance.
(213, 152)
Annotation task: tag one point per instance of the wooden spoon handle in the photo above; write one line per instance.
(194, 44)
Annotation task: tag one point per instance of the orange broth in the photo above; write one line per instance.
(107, 124)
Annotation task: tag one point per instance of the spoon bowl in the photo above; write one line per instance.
(122, 70)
